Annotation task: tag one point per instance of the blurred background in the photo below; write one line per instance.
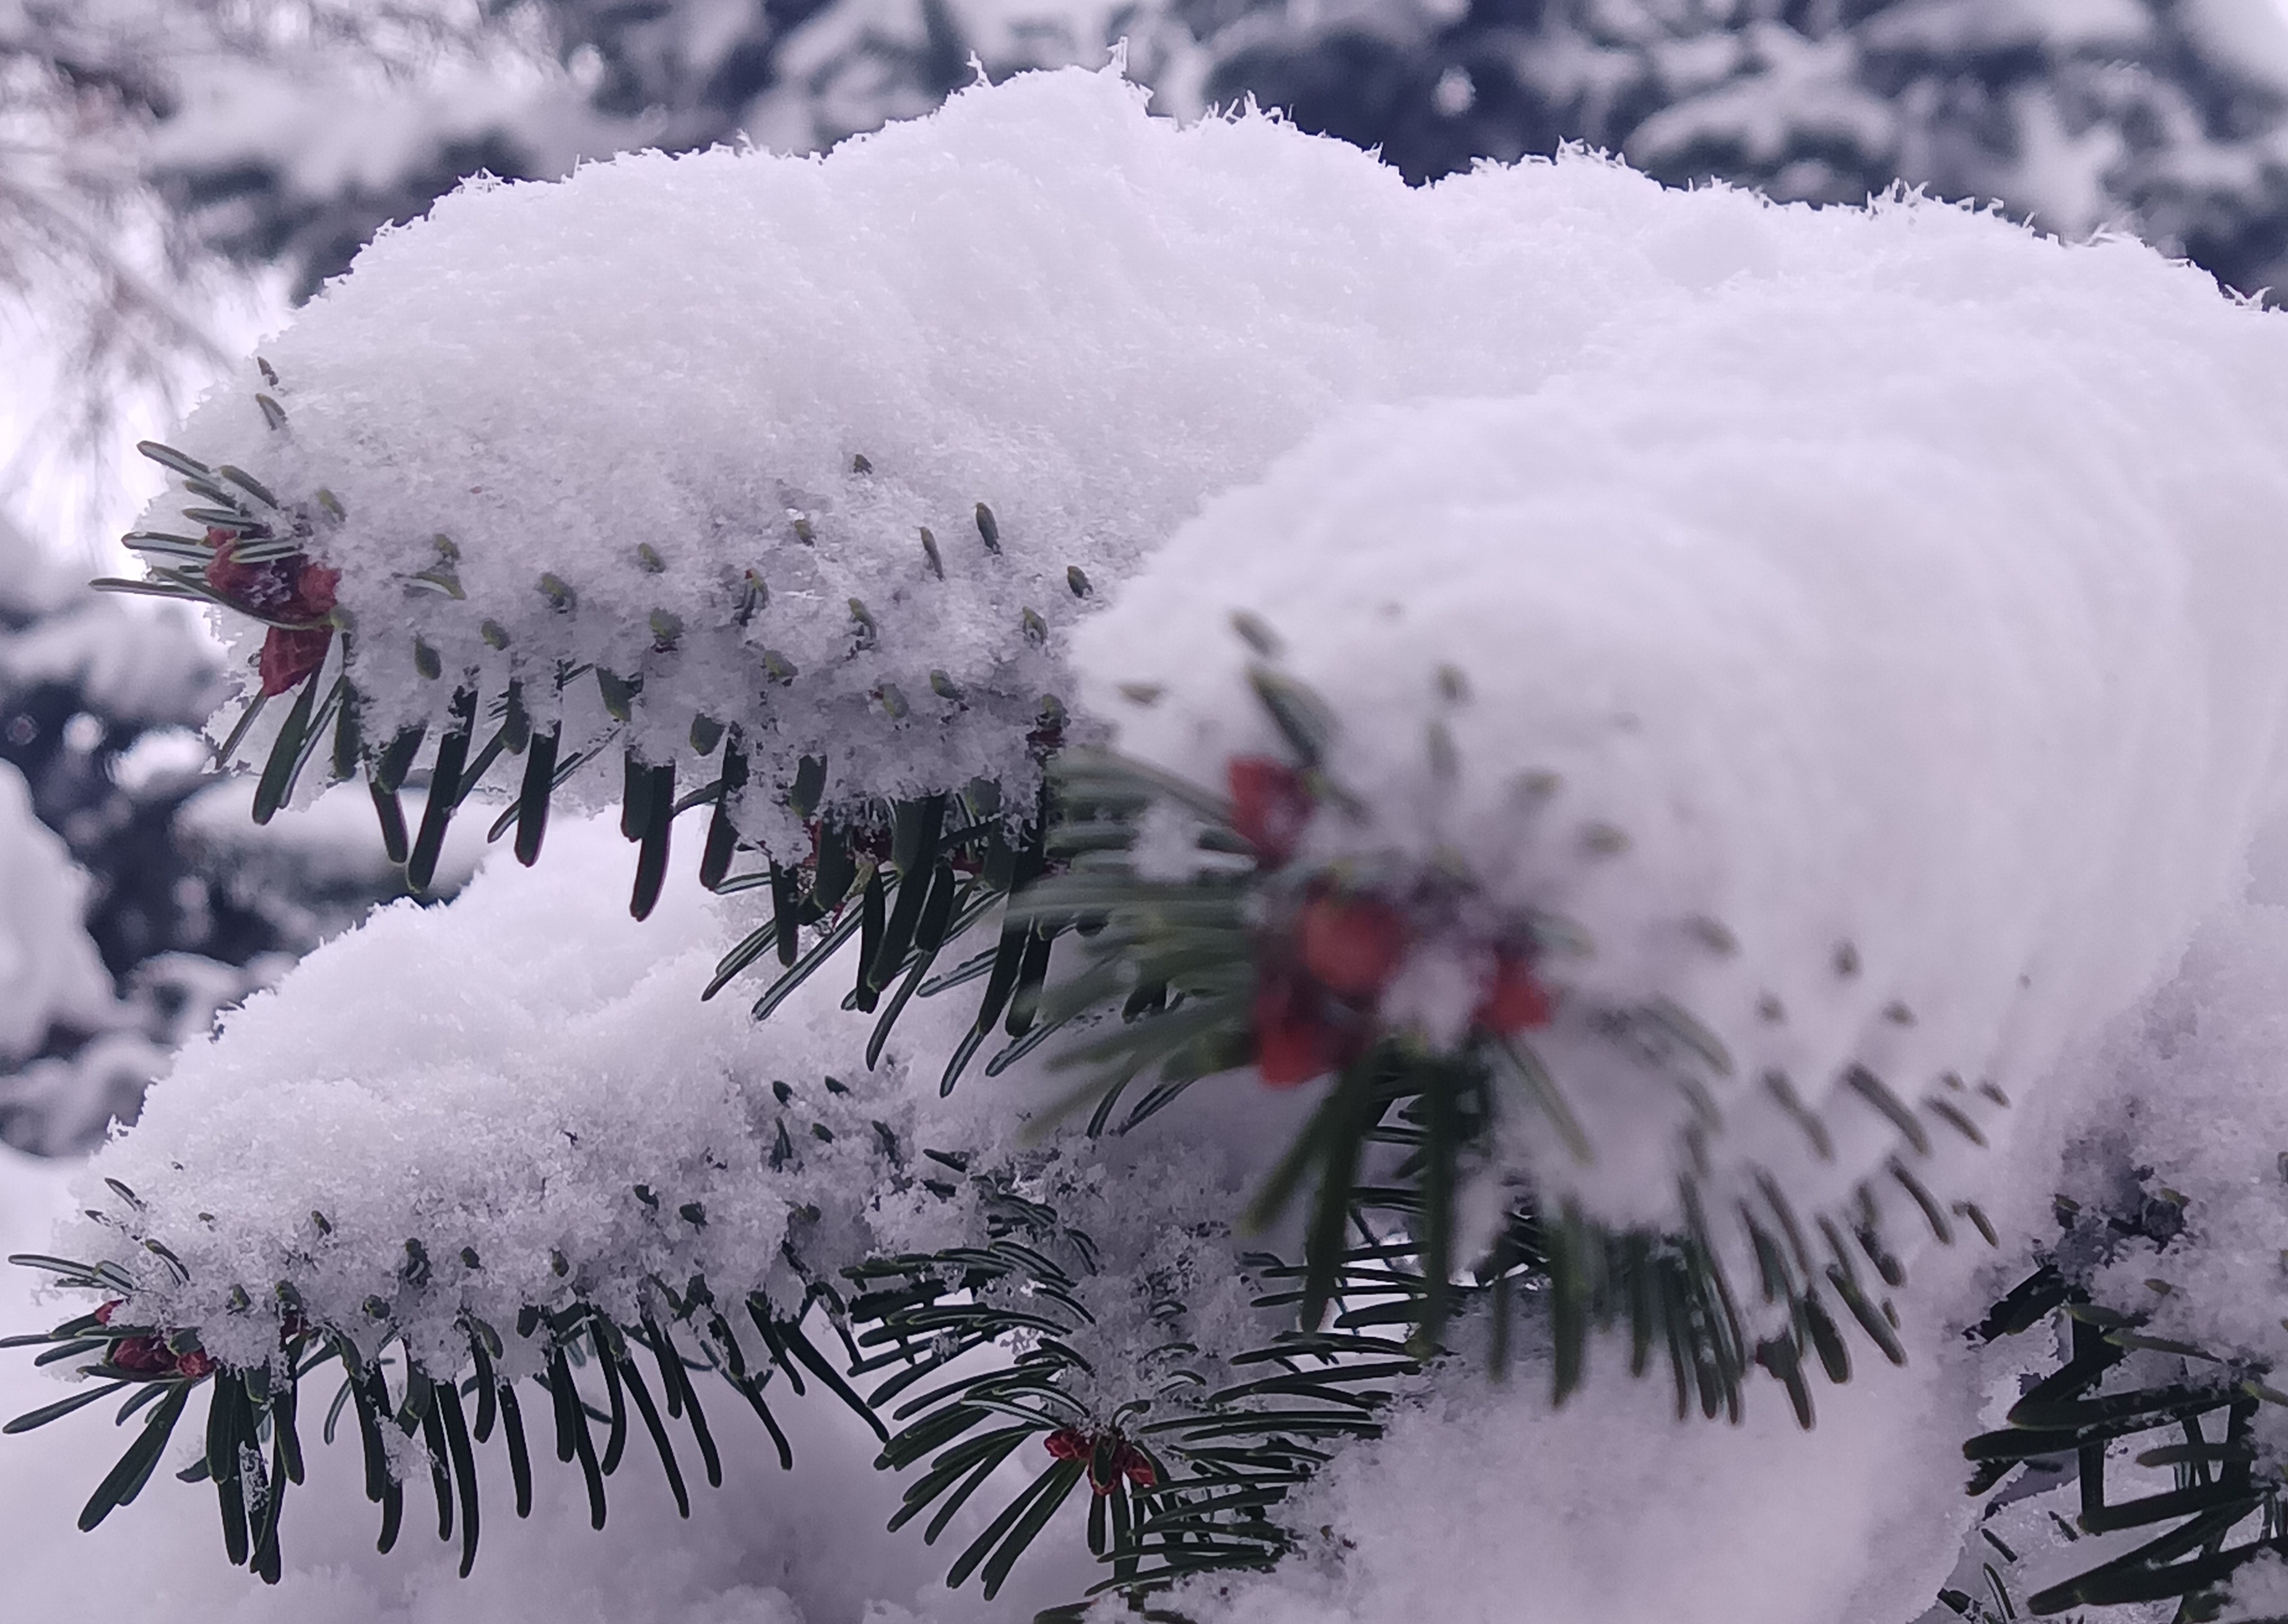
(175, 175)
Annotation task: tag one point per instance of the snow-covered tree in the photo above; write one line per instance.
(1308, 792)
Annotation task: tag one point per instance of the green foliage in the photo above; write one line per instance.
(2222, 1510)
(1183, 1479)
(593, 1378)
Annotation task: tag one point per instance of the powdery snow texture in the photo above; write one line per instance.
(1906, 606)
(1038, 299)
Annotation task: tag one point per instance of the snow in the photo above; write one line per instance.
(2252, 37)
(530, 1075)
(426, 1073)
(2189, 1094)
(508, 1077)
(315, 870)
(1508, 1513)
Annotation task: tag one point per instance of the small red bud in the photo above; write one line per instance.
(1514, 1001)
(1269, 806)
(1292, 1043)
(1353, 947)
(142, 1356)
(313, 595)
(1068, 1443)
(195, 1365)
(1135, 1467)
(289, 655)
(240, 583)
(103, 1314)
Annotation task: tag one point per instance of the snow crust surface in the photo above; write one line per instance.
(1870, 654)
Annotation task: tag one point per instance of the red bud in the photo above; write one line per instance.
(142, 1356)
(1270, 806)
(1515, 1001)
(290, 656)
(1068, 1443)
(313, 595)
(1354, 947)
(1292, 1043)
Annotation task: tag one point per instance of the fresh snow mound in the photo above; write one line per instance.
(1877, 659)
(519, 1099)
(1038, 299)
(503, 1075)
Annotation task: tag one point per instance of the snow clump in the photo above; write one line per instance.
(1872, 660)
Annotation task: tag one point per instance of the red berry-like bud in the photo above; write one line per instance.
(1068, 1443)
(142, 1356)
(1293, 1043)
(1269, 806)
(288, 656)
(195, 1365)
(1514, 1001)
(242, 583)
(103, 1314)
(1352, 947)
(313, 595)
(1135, 1467)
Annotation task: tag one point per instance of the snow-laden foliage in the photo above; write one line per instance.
(149, 869)
(1671, 609)
(908, 410)
(1806, 651)
(545, 1112)
(2161, 117)
(1785, 678)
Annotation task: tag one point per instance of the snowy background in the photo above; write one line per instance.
(176, 177)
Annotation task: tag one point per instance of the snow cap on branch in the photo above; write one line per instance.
(835, 449)
(1875, 659)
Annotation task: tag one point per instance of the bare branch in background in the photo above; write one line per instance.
(108, 291)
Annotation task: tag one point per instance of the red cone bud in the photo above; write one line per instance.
(1353, 947)
(1068, 1443)
(291, 589)
(290, 656)
(252, 585)
(312, 597)
(1292, 1043)
(1515, 1001)
(1135, 1467)
(1269, 806)
(103, 1314)
(142, 1356)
